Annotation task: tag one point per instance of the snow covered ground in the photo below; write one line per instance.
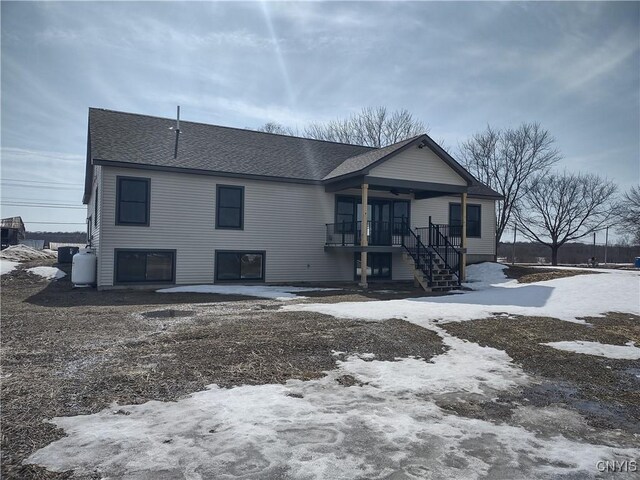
(622, 352)
(564, 298)
(387, 425)
(261, 291)
(23, 253)
(7, 266)
(48, 273)
(319, 429)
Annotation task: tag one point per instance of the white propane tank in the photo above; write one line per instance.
(83, 268)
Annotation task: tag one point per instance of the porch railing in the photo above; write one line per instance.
(378, 233)
(446, 247)
(423, 243)
(421, 254)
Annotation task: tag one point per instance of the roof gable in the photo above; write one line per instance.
(364, 162)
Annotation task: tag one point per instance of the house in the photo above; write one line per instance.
(13, 231)
(189, 203)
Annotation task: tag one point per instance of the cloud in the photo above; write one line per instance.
(575, 65)
(39, 165)
(256, 112)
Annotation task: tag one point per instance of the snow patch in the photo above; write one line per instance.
(48, 273)
(387, 426)
(7, 266)
(23, 253)
(262, 291)
(567, 299)
(465, 367)
(621, 352)
(481, 276)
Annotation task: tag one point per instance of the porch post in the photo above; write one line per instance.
(463, 236)
(364, 241)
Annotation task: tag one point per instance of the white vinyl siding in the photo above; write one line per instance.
(91, 206)
(286, 220)
(438, 209)
(419, 165)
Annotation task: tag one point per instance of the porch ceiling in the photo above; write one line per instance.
(419, 189)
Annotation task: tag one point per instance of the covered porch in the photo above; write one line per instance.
(373, 214)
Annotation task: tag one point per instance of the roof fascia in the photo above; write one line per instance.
(88, 169)
(414, 186)
(210, 173)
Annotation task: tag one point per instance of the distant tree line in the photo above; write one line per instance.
(58, 237)
(569, 253)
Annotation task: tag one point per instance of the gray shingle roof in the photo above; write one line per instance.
(366, 159)
(478, 189)
(127, 138)
(141, 139)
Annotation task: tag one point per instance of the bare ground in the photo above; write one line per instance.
(526, 274)
(605, 390)
(70, 352)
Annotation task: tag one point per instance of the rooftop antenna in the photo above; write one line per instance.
(175, 151)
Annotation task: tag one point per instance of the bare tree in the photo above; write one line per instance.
(558, 208)
(373, 127)
(629, 214)
(506, 160)
(275, 127)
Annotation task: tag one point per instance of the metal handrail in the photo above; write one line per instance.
(378, 233)
(422, 256)
(450, 254)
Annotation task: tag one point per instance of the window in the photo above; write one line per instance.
(473, 220)
(132, 202)
(345, 214)
(243, 266)
(401, 216)
(229, 207)
(151, 266)
(95, 209)
(378, 265)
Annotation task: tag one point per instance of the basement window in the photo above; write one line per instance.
(145, 266)
(378, 265)
(239, 266)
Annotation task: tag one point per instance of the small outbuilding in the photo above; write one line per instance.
(12, 231)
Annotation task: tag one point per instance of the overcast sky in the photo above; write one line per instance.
(573, 67)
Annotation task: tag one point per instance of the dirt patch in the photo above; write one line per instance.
(531, 275)
(168, 313)
(70, 352)
(606, 391)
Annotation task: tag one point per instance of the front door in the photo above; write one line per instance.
(379, 223)
(380, 226)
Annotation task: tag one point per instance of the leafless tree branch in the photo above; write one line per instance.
(629, 214)
(505, 160)
(558, 208)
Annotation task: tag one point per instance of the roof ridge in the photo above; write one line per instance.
(234, 128)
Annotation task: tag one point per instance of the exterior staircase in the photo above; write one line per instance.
(442, 278)
(436, 267)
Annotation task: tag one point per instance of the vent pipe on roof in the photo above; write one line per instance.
(175, 151)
